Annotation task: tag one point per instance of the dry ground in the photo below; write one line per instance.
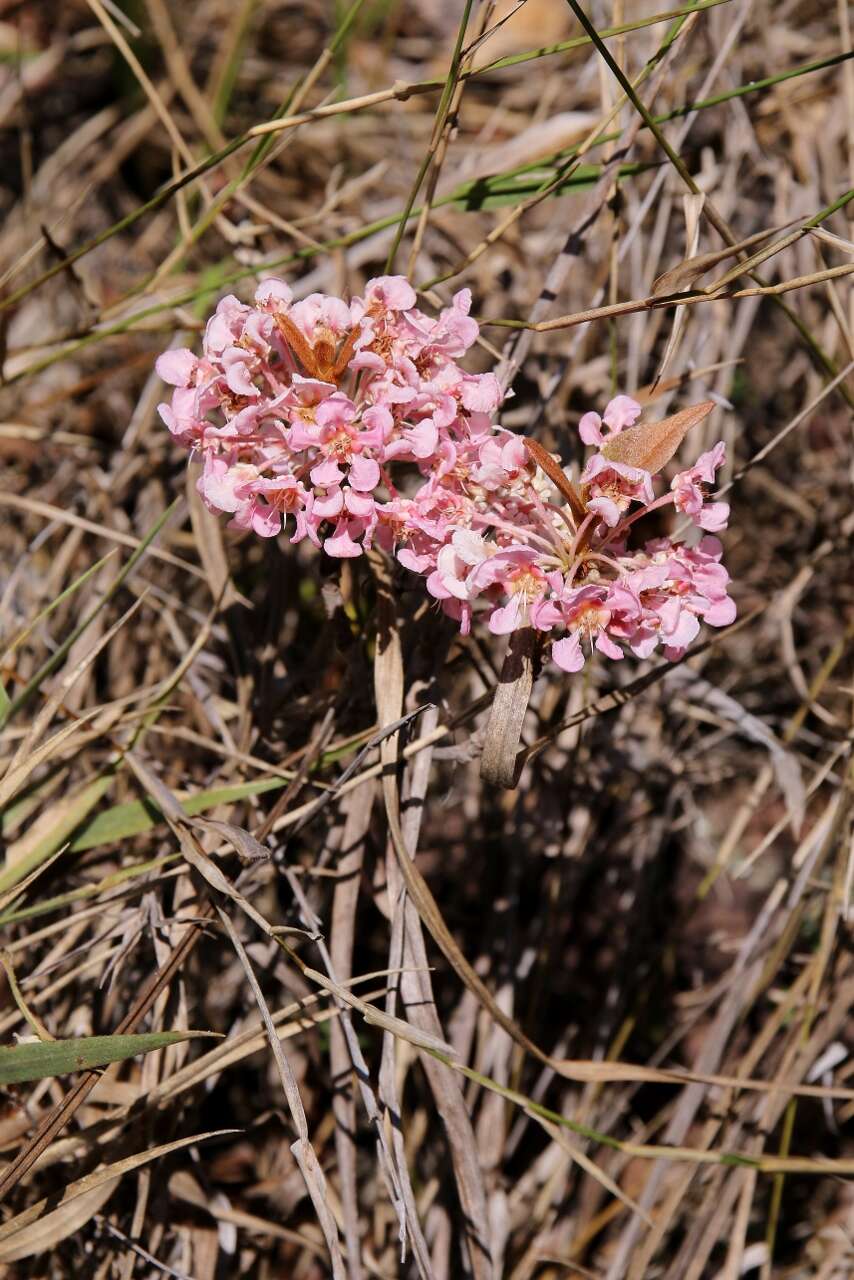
(669, 887)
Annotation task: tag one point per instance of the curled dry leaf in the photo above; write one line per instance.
(687, 272)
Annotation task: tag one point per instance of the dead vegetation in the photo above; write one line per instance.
(600, 1025)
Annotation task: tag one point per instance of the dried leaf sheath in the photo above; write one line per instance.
(498, 764)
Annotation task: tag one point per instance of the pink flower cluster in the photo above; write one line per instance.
(316, 410)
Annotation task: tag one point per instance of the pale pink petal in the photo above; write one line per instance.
(514, 455)
(545, 615)
(337, 411)
(424, 439)
(606, 509)
(364, 473)
(266, 521)
(622, 412)
(712, 547)
(708, 463)
(240, 380)
(714, 516)
(721, 613)
(273, 293)
(377, 425)
(176, 367)
(341, 545)
(436, 586)
(567, 653)
(685, 629)
(507, 618)
(359, 504)
(394, 292)
(409, 560)
(643, 644)
(329, 506)
(481, 394)
(606, 645)
(327, 473)
(590, 428)
(470, 546)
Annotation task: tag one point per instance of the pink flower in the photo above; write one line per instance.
(181, 417)
(527, 584)
(357, 423)
(321, 318)
(614, 486)
(480, 392)
(454, 563)
(622, 412)
(222, 483)
(286, 496)
(585, 611)
(225, 325)
(688, 496)
(393, 293)
(501, 459)
(237, 364)
(273, 295)
(451, 334)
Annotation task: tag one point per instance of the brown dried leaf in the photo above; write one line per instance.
(651, 445)
(546, 463)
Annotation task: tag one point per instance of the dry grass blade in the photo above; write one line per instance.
(302, 1149)
(693, 206)
(45, 1223)
(179, 824)
(388, 692)
(376, 1017)
(785, 764)
(19, 769)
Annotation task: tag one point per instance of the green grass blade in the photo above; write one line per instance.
(136, 817)
(504, 189)
(43, 1058)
